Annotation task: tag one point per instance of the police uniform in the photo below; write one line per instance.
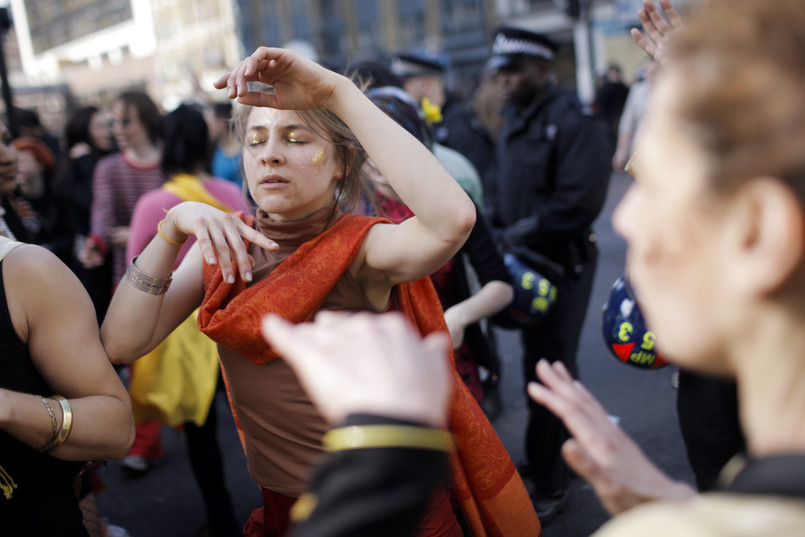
(459, 128)
(550, 182)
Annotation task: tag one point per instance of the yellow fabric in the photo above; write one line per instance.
(189, 188)
(304, 507)
(386, 436)
(175, 383)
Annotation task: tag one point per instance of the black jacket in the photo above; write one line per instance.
(372, 491)
(551, 175)
(461, 130)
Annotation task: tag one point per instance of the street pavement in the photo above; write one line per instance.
(166, 502)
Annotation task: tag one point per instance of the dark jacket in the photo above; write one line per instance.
(551, 176)
(461, 130)
(487, 264)
(373, 491)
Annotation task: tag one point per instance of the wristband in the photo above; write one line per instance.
(386, 436)
(168, 239)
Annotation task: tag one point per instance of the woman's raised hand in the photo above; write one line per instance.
(658, 29)
(219, 235)
(599, 451)
(298, 83)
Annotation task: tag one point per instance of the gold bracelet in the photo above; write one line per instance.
(168, 239)
(66, 423)
(386, 436)
(44, 446)
(143, 282)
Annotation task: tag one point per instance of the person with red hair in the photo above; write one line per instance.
(36, 167)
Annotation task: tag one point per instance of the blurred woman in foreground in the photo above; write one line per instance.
(715, 227)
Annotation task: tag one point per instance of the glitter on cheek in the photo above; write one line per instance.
(319, 157)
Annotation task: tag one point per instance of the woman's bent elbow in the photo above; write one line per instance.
(464, 217)
(124, 439)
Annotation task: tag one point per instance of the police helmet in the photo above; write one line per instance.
(625, 332)
(534, 295)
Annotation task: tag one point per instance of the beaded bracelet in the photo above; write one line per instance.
(146, 283)
(168, 239)
(44, 446)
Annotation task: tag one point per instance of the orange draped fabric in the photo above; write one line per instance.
(486, 483)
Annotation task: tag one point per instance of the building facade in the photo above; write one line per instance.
(456, 31)
(173, 49)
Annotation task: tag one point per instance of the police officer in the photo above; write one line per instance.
(458, 128)
(550, 182)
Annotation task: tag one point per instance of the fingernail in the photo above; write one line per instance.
(230, 279)
(248, 277)
(211, 260)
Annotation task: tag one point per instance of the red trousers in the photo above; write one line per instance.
(147, 442)
(273, 520)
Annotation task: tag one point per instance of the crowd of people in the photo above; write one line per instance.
(333, 249)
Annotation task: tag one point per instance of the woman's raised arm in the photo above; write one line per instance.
(444, 213)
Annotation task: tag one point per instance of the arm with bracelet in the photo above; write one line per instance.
(153, 294)
(82, 410)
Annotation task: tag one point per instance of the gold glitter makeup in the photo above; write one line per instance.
(318, 158)
(256, 138)
(292, 137)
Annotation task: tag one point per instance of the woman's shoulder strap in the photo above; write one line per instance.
(6, 245)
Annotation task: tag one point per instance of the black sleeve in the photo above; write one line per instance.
(483, 254)
(379, 492)
(490, 187)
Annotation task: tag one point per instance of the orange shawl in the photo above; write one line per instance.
(486, 483)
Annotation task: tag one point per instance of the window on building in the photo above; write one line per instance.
(461, 16)
(331, 27)
(412, 20)
(368, 20)
(269, 32)
(300, 19)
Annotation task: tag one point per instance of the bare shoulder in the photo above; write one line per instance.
(34, 266)
(36, 281)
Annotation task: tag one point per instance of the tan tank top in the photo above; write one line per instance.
(281, 426)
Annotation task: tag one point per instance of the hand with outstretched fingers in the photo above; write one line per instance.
(658, 28)
(599, 450)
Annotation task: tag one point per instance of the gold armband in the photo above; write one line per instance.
(386, 436)
(66, 424)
